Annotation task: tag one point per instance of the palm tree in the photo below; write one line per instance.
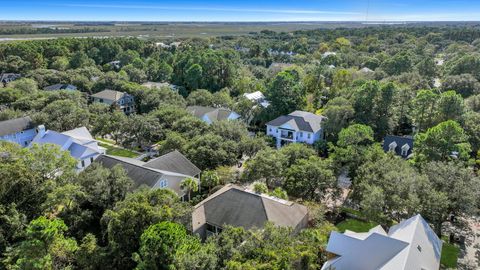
(190, 185)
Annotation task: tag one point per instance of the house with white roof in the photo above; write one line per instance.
(257, 97)
(409, 245)
(79, 142)
(211, 114)
(299, 126)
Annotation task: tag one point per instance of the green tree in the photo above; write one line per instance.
(190, 185)
(259, 187)
(266, 165)
(310, 178)
(210, 179)
(442, 142)
(159, 245)
(285, 93)
(45, 247)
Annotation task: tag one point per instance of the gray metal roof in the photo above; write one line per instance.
(15, 125)
(233, 205)
(400, 141)
(174, 162)
(300, 120)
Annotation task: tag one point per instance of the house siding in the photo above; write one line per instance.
(22, 138)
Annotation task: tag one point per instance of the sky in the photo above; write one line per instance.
(245, 10)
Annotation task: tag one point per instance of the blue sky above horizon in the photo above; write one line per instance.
(246, 10)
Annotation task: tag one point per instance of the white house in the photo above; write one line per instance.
(19, 130)
(299, 126)
(409, 245)
(210, 114)
(122, 100)
(257, 97)
(79, 142)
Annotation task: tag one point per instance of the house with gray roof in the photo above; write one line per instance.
(241, 207)
(60, 86)
(411, 244)
(123, 101)
(5, 78)
(79, 142)
(210, 114)
(167, 171)
(299, 126)
(19, 130)
(400, 146)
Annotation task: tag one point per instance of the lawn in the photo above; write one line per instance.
(449, 254)
(119, 152)
(355, 225)
(105, 140)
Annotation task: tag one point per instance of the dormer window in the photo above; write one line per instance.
(405, 149)
(392, 146)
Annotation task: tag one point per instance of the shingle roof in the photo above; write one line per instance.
(174, 162)
(60, 86)
(400, 141)
(15, 125)
(300, 120)
(139, 174)
(214, 114)
(233, 205)
(109, 94)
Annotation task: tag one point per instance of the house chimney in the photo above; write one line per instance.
(41, 130)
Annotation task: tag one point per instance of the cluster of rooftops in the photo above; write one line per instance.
(411, 244)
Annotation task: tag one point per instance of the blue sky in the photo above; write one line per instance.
(246, 10)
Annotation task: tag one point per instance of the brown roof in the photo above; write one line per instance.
(109, 95)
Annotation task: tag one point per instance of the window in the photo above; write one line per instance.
(101, 100)
(91, 160)
(308, 135)
(270, 129)
(405, 149)
(392, 146)
(301, 134)
(163, 183)
(83, 163)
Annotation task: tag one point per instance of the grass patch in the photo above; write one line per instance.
(449, 254)
(119, 152)
(355, 225)
(105, 140)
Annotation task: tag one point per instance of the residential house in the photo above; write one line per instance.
(79, 142)
(411, 244)
(210, 114)
(60, 86)
(19, 130)
(327, 54)
(401, 146)
(299, 126)
(159, 85)
(257, 97)
(240, 207)
(366, 70)
(166, 171)
(5, 78)
(115, 64)
(121, 100)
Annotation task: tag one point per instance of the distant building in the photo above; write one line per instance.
(166, 171)
(20, 131)
(411, 244)
(366, 70)
(79, 142)
(401, 146)
(6, 78)
(210, 114)
(327, 54)
(239, 207)
(258, 98)
(121, 100)
(60, 86)
(298, 126)
(115, 64)
(151, 85)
